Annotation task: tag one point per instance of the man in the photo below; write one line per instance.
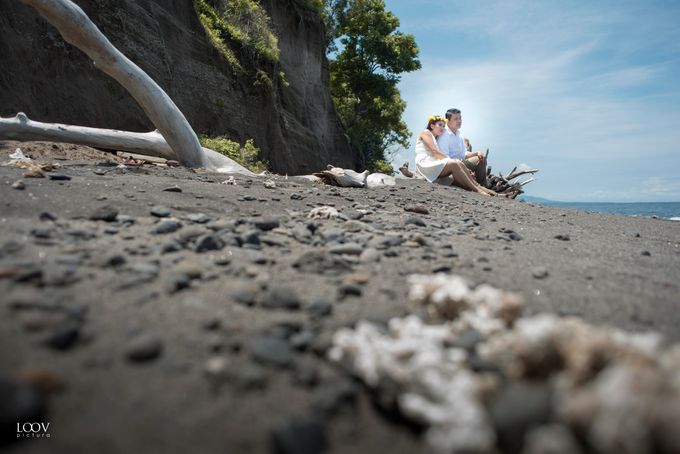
(451, 142)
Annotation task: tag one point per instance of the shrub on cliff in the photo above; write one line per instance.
(247, 155)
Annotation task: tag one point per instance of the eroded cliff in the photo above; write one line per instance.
(290, 118)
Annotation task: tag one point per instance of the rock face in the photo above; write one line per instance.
(295, 126)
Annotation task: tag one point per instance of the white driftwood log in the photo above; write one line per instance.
(78, 30)
(151, 143)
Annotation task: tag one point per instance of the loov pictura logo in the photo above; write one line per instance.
(33, 430)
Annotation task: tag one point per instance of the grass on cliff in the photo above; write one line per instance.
(247, 155)
(242, 22)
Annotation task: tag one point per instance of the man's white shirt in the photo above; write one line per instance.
(452, 144)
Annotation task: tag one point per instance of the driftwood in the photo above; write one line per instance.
(173, 138)
(151, 143)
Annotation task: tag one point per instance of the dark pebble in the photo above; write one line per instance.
(160, 211)
(300, 436)
(271, 351)
(346, 290)
(266, 223)
(64, 336)
(173, 189)
(319, 309)
(562, 237)
(105, 213)
(58, 176)
(244, 295)
(330, 398)
(199, 218)
(47, 216)
(280, 296)
(539, 272)
(145, 347)
(167, 226)
(518, 408)
(414, 221)
(646, 253)
(19, 403)
(417, 209)
(210, 242)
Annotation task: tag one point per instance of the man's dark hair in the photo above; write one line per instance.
(451, 112)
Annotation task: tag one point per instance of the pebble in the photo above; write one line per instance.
(244, 295)
(369, 255)
(199, 218)
(516, 409)
(251, 376)
(47, 216)
(417, 209)
(330, 398)
(209, 242)
(105, 213)
(414, 220)
(160, 211)
(19, 402)
(173, 189)
(58, 176)
(646, 253)
(19, 184)
(299, 436)
(319, 309)
(280, 296)
(562, 237)
(321, 262)
(271, 351)
(302, 340)
(349, 289)
(266, 223)
(167, 226)
(216, 369)
(188, 268)
(144, 347)
(346, 248)
(64, 336)
(539, 272)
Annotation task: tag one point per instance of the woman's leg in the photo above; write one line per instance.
(462, 176)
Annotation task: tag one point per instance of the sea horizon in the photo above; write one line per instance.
(660, 210)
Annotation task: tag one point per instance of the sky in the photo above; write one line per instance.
(586, 91)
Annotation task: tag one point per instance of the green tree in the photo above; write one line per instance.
(367, 54)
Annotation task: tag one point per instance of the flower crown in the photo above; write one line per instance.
(435, 118)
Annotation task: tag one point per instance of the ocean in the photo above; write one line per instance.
(662, 210)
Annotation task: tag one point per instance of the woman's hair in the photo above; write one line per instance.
(432, 119)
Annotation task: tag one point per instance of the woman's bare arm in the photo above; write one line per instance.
(428, 140)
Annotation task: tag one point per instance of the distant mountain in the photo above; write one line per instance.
(534, 199)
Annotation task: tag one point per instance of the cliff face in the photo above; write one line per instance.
(295, 126)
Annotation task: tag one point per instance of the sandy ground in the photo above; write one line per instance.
(212, 337)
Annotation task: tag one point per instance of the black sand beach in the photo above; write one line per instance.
(163, 311)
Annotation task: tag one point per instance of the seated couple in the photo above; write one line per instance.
(441, 151)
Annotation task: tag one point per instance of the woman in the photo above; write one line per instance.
(432, 163)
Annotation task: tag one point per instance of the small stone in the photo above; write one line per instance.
(280, 296)
(19, 401)
(330, 398)
(302, 340)
(346, 290)
(167, 226)
(216, 369)
(64, 336)
(244, 295)
(306, 372)
(266, 224)
(539, 272)
(319, 309)
(160, 211)
(19, 184)
(646, 253)
(413, 220)
(144, 347)
(209, 242)
(369, 255)
(417, 209)
(299, 436)
(47, 216)
(211, 324)
(58, 176)
(199, 218)
(173, 189)
(346, 248)
(188, 268)
(105, 213)
(516, 409)
(296, 197)
(251, 376)
(271, 351)
(562, 237)
(269, 184)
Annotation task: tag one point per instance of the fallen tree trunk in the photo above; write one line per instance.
(151, 143)
(77, 29)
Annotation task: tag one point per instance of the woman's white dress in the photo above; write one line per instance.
(426, 164)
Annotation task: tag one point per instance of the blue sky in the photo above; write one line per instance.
(586, 91)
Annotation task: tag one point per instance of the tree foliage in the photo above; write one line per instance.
(367, 54)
